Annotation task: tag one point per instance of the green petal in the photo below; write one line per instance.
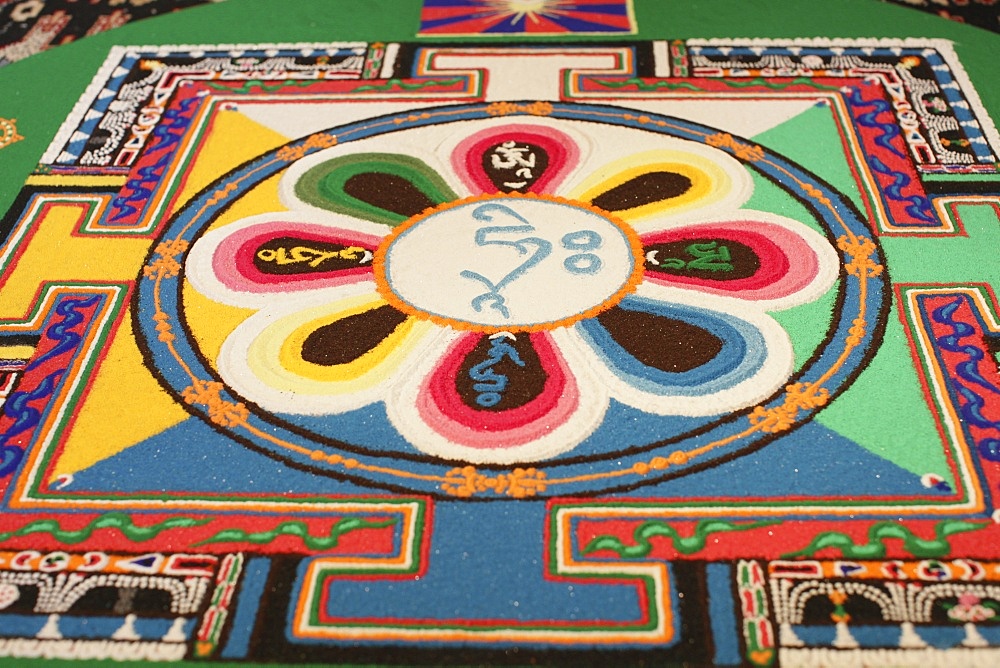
(380, 187)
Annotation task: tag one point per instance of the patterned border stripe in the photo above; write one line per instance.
(953, 330)
(930, 612)
(935, 71)
(138, 77)
(67, 589)
(946, 80)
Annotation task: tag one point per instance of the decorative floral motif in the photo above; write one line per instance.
(166, 264)
(798, 396)
(9, 595)
(970, 608)
(519, 483)
(839, 614)
(208, 394)
(499, 295)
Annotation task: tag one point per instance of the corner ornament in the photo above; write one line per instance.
(8, 132)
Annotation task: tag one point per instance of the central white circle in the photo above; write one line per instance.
(509, 262)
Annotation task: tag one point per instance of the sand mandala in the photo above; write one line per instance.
(659, 352)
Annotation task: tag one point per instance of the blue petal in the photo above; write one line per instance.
(742, 353)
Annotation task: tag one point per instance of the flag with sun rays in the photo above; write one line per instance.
(538, 17)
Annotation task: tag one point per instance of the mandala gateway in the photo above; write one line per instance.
(505, 294)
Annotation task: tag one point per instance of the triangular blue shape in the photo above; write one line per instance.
(191, 457)
(812, 461)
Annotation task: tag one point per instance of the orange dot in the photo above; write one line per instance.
(679, 458)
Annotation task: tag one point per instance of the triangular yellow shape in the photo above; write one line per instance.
(125, 404)
(231, 140)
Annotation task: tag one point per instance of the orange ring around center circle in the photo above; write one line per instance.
(387, 293)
